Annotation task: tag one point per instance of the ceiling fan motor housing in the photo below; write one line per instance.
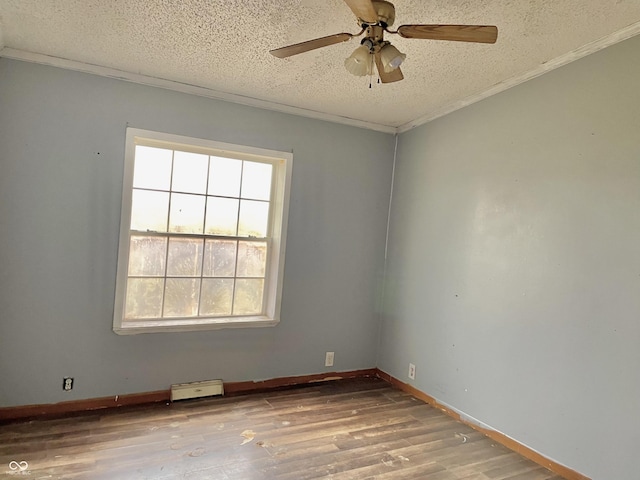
(386, 13)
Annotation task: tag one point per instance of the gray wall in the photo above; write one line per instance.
(513, 277)
(61, 160)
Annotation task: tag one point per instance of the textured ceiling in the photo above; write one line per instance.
(222, 45)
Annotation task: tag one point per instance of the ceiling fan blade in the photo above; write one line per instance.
(363, 9)
(456, 33)
(387, 77)
(297, 48)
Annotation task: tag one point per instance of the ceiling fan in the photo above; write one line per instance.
(375, 17)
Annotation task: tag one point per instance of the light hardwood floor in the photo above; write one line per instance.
(353, 429)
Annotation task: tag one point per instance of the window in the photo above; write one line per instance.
(202, 234)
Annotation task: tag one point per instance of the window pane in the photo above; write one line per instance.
(224, 177)
(216, 296)
(185, 257)
(256, 180)
(254, 218)
(187, 213)
(149, 211)
(190, 172)
(248, 297)
(222, 216)
(144, 298)
(147, 256)
(219, 258)
(152, 168)
(252, 259)
(181, 297)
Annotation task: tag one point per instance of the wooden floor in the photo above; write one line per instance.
(353, 429)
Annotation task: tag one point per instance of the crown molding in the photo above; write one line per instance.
(108, 72)
(595, 46)
(592, 47)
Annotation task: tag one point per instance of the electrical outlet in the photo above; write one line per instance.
(412, 371)
(67, 383)
(328, 359)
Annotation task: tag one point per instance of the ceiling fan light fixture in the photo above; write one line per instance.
(391, 57)
(360, 61)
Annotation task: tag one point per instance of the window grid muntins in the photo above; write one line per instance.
(184, 283)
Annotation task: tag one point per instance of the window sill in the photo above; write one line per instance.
(192, 325)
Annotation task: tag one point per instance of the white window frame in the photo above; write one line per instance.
(282, 166)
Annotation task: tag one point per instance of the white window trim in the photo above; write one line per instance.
(275, 263)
